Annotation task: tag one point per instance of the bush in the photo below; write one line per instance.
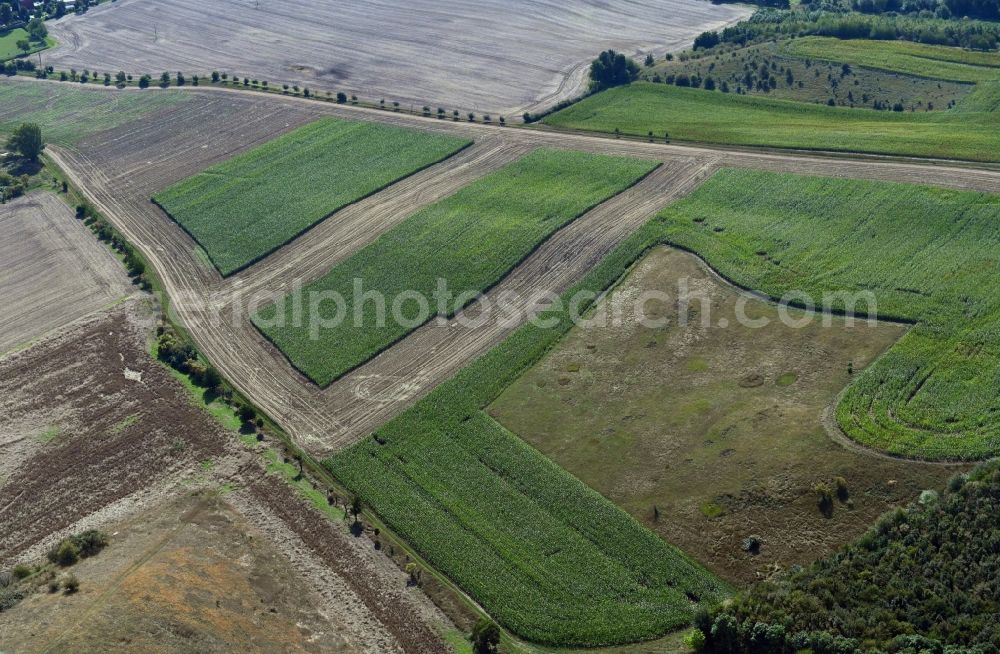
(694, 640)
(66, 553)
(21, 571)
(70, 584)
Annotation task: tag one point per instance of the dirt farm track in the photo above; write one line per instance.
(412, 51)
(120, 169)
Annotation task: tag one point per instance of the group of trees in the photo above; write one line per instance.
(975, 34)
(612, 69)
(925, 579)
(27, 141)
(984, 9)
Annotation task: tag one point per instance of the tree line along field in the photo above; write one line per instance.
(472, 239)
(549, 558)
(712, 117)
(919, 59)
(928, 255)
(247, 207)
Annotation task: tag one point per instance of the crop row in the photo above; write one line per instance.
(245, 208)
(545, 555)
(471, 239)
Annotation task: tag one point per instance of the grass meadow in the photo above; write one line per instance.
(67, 112)
(8, 44)
(472, 239)
(906, 57)
(247, 207)
(726, 118)
(929, 257)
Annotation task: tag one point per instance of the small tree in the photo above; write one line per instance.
(395, 105)
(144, 82)
(355, 508)
(454, 115)
(180, 78)
(472, 117)
(649, 59)
(215, 76)
(27, 141)
(354, 99)
(164, 80)
(341, 98)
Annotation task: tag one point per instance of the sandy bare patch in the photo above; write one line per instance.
(52, 269)
(474, 55)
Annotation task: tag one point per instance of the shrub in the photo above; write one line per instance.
(66, 553)
(21, 571)
(694, 640)
(70, 584)
(824, 498)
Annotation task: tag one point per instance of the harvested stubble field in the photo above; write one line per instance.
(926, 255)
(472, 240)
(120, 169)
(472, 55)
(242, 210)
(54, 271)
(720, 428)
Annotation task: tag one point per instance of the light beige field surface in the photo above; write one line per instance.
(473, 55)
(52, 270)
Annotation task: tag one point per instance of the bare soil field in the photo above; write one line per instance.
(717, 425)
(52, 269)
(119, 169)
(209, 552)
(470, 55)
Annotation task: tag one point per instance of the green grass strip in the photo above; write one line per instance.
(716, 117)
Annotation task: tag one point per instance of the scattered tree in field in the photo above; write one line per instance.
(23, 45)
(670, 56)
(472, 117)
(27, 141)
(649, 60)
(824, 498)
(395, 106)
(503, 121)
(215, 76)
(354, 99)
(440, 113)
(164, 80)
(341, 98)
(454, 115)
(485, 637)
(612, 69)
(180, 79)
(144, 82)
(120, 78)
(355, 508)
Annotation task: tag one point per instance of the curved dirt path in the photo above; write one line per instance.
(119, 170)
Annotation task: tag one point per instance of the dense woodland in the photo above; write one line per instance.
(923, 579)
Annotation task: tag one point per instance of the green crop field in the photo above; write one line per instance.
(8, 44)
(714, 117)
(929, 256)
(245, 208)
(546, 556)
(471, 239)
(68, 112)
(922, 60)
